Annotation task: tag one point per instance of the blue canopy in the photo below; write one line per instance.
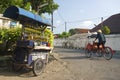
(25, 17)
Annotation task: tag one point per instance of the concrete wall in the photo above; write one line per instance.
(112, 40)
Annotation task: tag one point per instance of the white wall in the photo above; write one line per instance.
(112, 40)
(1, 23)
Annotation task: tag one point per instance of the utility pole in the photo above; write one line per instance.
(101, 22)
(52, 20)
(52, 16)
(65, 26)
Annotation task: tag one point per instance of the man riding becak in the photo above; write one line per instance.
(101, 38)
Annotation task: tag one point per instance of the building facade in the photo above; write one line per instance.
(6, 23)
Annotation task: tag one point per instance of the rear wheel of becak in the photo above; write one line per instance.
(108, 53)
(88, 53)
(38, 66)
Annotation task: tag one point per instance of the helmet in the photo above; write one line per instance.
(99, 31)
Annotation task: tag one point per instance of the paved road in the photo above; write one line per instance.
(95, 68)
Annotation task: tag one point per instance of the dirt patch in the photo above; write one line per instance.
(55, 70)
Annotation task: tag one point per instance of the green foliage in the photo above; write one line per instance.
(72, 31)
(6, 3)
(27, 7)
(64, 35)
(11, 34)
(106, 30)
(17, 3)
(8, 38)
(36, 5)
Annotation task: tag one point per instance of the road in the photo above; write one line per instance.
(95, 68)
(72, 65)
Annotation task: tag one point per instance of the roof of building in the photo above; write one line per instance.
(113, 22)
(80, 30)
(4, 18)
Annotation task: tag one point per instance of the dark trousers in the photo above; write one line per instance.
(101, 43)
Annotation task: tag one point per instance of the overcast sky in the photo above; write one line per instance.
(83, 13)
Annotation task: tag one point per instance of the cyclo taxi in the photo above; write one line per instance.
(30, 54)
(92, 48)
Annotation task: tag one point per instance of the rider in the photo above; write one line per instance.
(101, 38)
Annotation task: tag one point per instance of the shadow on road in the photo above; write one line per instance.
(115, 56)
(78, 53)
(23, 73)
(74, 57)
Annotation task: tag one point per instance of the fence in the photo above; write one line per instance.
(112, 40)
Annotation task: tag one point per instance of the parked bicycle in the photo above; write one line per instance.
(92, 48)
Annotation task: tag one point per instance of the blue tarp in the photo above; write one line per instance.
(25, 17)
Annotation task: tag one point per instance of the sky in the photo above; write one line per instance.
(82, 13)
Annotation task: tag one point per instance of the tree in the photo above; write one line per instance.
(26, 4)
(64, 35)
(6, 3)
(48, 6)
(72, 31)
(106, 30)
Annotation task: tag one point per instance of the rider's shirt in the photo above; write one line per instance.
(101, 37)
